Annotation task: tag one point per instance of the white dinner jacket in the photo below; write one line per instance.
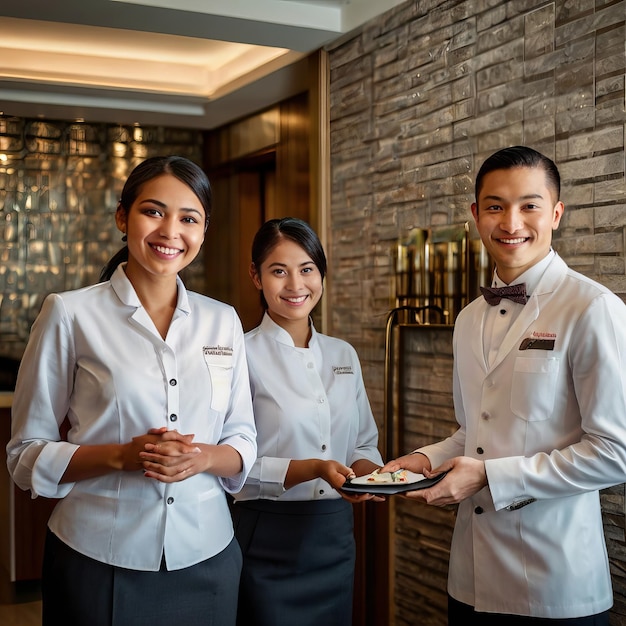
(548, 417)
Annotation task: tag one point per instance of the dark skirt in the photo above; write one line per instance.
(298, 562)
(79, 591)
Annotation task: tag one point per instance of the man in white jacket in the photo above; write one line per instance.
(540, 399)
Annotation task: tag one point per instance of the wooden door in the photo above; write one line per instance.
(243, 199)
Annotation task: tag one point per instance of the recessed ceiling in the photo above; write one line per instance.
(96, 56)
(198, 62)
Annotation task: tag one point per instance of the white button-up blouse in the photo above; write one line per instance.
(308, 403)
(95, 356)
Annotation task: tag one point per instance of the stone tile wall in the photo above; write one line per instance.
(59, 186)
(419, 97)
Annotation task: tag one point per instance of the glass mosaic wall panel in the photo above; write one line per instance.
(59, 186)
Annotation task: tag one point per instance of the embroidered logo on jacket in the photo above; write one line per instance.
(217, 351)
(342, 369)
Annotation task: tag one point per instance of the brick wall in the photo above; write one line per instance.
(419, 97)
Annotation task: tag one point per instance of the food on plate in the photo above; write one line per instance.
(398, 476)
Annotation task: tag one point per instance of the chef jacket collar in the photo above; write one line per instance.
(270, 327)
(127, 294)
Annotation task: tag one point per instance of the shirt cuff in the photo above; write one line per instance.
(49, 469)
(506, 484)
(273, 474)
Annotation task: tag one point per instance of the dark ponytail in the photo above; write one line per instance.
(121, 256)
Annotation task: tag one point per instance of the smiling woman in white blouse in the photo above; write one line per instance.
(315, 429)
(153, 383)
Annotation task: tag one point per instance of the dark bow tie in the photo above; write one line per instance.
(516, 293)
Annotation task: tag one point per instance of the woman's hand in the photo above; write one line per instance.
(170, 457)
(174, 457)
(362, 467)
(91, 461)
(336, 474)
(333, 472)
(132, 459)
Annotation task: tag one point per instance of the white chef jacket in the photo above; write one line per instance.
(548, 417)
(308, 403)
(95, 355)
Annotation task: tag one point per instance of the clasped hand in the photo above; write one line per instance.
(167, 455)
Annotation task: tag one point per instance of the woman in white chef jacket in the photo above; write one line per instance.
(153, 383)
(315, 428)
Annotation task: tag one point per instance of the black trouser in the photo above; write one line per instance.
(460, 614)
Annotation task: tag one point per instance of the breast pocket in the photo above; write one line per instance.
(534, 388)
(221, 373)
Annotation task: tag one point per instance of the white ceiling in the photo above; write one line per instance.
(194, 63)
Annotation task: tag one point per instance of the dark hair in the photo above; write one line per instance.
(180, 167)
(296, 230)
(519, 156)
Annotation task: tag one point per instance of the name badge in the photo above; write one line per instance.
(531, 343)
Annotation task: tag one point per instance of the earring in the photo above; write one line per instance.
(124, 237)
